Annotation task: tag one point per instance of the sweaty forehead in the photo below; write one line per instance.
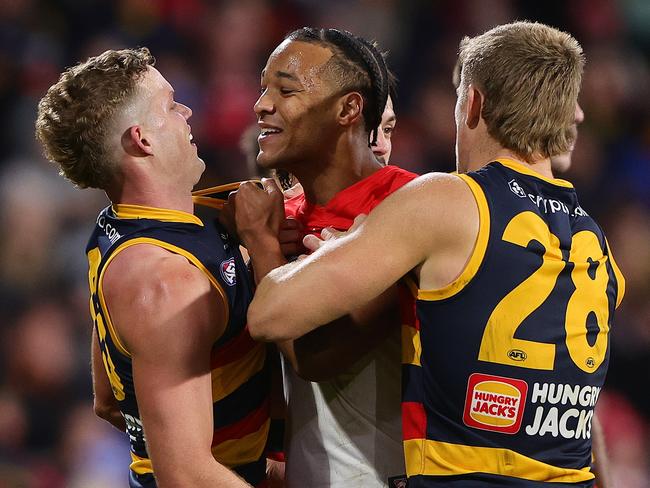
(300, 59)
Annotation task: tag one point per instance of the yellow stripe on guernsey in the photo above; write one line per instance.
(525, 170)
(411, 346)
(140, 465)
(247, 449)
(231, 376)
(433, 458)
(620, 280)
(165, 245)
(123, 211)
(478, 253)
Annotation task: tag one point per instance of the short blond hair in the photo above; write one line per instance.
(530, 75)
(76, 113)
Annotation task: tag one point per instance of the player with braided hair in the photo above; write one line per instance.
(323, 96)
(380, 143)
(358, 64)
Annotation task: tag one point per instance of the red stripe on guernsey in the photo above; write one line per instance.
(407, 305)
(249, 424)
(276, 456)
(233, 350)
(414, 421)
(416, 324)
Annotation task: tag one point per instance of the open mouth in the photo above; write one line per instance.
(264, 133)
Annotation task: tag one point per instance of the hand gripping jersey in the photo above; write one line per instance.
(346, 432)
(504, 365)
(240, 378)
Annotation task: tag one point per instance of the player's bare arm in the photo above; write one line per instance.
(104, 403)
(331, 349)
(168, 316)
(323, 354)
(421, 224)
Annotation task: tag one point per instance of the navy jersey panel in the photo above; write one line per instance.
(208, 247)
(514, 361)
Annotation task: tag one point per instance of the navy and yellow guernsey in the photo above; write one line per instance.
(503, 367)
(240, 374)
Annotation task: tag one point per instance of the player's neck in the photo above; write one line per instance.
(150, 196)
(539, 165)
(343, 170)
(489, 154)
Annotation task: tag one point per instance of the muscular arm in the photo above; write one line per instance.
(432, 223)
(105, 404)
(169, 315)
(332, 349)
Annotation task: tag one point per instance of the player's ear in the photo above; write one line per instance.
(350, 108)
(135, 143)
(474, 106)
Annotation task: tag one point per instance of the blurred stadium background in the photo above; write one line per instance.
(212, 52)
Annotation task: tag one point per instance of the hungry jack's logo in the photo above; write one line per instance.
(495, 403)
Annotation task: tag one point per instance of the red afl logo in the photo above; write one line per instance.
(228, 272)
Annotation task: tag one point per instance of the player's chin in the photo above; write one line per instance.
(200, 168)
(200, 163)
(266, 159)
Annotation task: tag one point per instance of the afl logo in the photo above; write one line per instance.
(228, 273)
(590, 362)
(517, 355)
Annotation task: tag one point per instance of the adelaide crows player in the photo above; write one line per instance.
(169, 293)
(515, 283)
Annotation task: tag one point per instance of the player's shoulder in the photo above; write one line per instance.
(436, 185)
(431, 199)
(158, 290)
(434, 200)
(146, 270)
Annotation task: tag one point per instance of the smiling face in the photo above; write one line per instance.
(164, 125)
(296, 111)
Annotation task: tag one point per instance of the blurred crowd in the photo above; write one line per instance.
(212, 53)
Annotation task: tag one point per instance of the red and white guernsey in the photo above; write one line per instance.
(347, 431)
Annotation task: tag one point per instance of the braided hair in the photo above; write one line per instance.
(359, 66)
